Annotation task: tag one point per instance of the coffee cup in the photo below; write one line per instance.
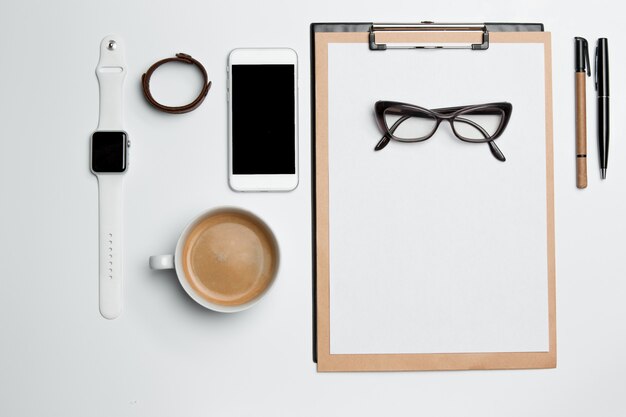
(226, 259)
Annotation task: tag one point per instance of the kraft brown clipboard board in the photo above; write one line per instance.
(321, 36)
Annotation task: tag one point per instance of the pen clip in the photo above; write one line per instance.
(596, 68)
(586, 48)
(582, 56)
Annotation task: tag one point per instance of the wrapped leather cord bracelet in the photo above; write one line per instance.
(180, 57)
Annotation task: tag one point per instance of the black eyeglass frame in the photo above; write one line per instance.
(450, 114)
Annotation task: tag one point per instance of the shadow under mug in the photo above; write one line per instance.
(159, 262)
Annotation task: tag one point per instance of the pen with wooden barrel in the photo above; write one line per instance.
(581, 66)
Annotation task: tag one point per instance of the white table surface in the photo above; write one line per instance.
(166, 356)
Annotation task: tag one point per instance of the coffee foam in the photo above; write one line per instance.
(229, 258)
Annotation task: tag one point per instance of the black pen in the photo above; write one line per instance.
(602, 88)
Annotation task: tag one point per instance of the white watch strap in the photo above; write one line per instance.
(110, 195)
(111, 71)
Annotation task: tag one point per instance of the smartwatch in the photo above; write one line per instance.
(109, 162)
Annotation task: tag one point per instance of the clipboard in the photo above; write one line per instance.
(393, 347)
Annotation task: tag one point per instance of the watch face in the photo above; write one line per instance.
(108, 152)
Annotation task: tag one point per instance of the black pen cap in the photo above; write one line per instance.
(602, 67)
(582, 55)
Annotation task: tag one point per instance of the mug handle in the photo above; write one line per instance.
(162, 262)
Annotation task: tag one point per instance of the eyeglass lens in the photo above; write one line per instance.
(477, 125)
(413, 126)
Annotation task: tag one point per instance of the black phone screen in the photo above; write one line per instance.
(263, 119)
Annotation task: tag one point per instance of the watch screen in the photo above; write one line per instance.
(108, 152)
(263, 119)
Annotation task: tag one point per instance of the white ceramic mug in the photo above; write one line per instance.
(175, 261)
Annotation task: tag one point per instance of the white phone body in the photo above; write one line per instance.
(262, 181)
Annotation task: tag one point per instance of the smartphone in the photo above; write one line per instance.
(263, 119)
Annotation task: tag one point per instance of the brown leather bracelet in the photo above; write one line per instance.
(180, 57)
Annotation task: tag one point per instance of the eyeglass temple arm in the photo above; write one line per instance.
(386, 138)
(495, 151)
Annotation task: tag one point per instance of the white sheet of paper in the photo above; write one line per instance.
(437, 247)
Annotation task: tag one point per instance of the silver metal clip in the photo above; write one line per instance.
(429, 27)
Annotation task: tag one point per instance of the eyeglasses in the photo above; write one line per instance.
(482, 123)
